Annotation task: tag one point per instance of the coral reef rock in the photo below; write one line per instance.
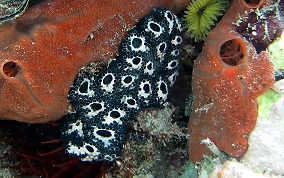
(265, 151)
(10, 9)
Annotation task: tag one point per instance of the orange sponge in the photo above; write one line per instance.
(228, 76)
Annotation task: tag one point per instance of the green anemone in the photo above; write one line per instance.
(201, 15)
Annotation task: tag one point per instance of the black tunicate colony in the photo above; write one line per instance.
(140, 77)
